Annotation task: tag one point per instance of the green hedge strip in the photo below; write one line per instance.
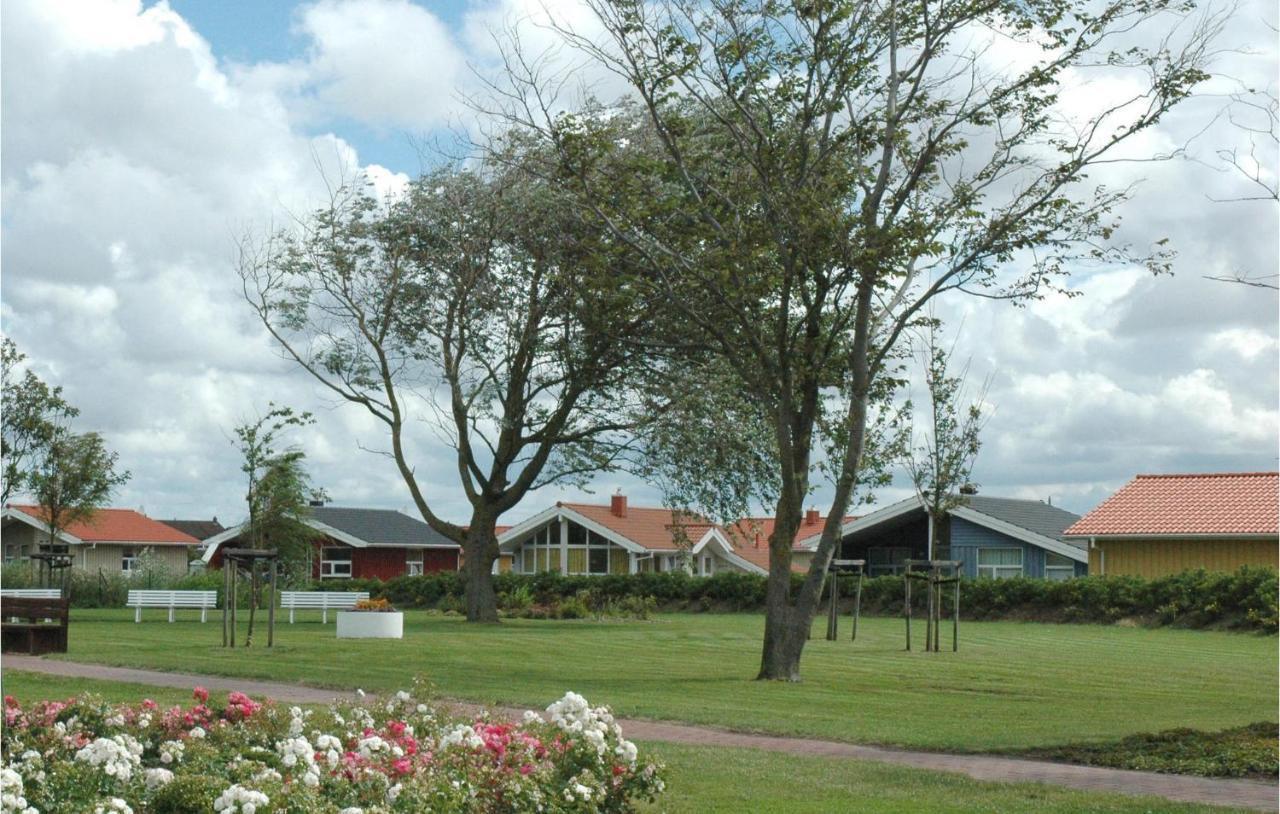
(1245, 599)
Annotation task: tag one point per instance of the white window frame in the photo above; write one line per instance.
(887, 568)
(1060, 572)
(128, 560)
(593, 542)
(539, 543)
(415, 558)
(996, 571)
(328, 569)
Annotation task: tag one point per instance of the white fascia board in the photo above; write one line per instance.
(513, 534)
(337, 534)
(715, 538)
(889, 512)
(211, 545)
(11, 513)
(1019, 533)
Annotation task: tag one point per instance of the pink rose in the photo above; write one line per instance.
(200, 694)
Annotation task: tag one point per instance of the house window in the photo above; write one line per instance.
(1058, 567)
(883, 560)
(541, 552)
(413, 562)
(335, 561)
(588, 551)
(706, 565)
(128, 560)
(999, 563)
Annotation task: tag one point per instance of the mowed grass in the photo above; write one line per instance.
(705, 780)
(1011, 685)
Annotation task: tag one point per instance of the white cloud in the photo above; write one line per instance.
(134, 159)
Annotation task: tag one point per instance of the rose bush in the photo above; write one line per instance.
(401, 754)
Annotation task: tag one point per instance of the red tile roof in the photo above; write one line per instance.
(750, 538)
(1227, 504)
(120, 526)
(656, 529)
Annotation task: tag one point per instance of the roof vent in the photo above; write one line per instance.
(969, 489)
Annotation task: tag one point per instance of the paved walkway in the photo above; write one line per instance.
(1241, 793)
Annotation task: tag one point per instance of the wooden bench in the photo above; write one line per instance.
(33, 625)
(324, 600)
(203, 600)
(32, 593)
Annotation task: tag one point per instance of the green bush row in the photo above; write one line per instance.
(1244, 599)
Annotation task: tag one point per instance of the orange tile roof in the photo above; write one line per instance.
(750, 538)
(660, 530)
(120, 526)
(656, 529)
(1227, 504)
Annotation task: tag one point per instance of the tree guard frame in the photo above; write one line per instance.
(838, 567)
(233, 559)
(934, 574)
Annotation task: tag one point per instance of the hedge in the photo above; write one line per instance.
(1245, 599)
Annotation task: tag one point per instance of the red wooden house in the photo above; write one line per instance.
(363, 544)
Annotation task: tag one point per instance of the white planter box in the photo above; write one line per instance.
(370, 625)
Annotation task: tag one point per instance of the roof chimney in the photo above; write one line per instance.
(969, 489)
(317, 503)
(618, 505)
(811, 517)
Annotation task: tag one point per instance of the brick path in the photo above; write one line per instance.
(1241, 793)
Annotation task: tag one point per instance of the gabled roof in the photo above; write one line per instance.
(107, 526)
(1012, 517)
(640, 529)
(750, 538)
(199, 529)
(381, 527)
(1032, 515)
(1226, 504)
(358, 528)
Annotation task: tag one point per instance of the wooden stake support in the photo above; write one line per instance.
(233, 560)
(934, 574)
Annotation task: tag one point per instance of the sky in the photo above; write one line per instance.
(139, 141)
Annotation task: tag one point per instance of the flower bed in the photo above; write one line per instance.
(397, 755)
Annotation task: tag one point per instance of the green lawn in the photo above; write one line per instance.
(706, 780)
(1011, 685)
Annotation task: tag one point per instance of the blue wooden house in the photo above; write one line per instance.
(995, 537)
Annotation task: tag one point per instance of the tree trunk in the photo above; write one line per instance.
(777, 662)
(786, 625)
(480, 550)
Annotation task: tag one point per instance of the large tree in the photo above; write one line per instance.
(801, 178)
(73, 475)
(31, 416)
(479, 305)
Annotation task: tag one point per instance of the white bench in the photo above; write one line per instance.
(32, 593)
(324, 600)
(204, 600)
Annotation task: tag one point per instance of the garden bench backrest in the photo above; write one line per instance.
(203, 600)
(32, 593)
(324, 600)
(32, 609)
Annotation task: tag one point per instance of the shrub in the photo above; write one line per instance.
(403, 755)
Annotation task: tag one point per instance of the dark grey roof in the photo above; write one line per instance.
(199, 529)
(1032, 515)
(380, 527)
